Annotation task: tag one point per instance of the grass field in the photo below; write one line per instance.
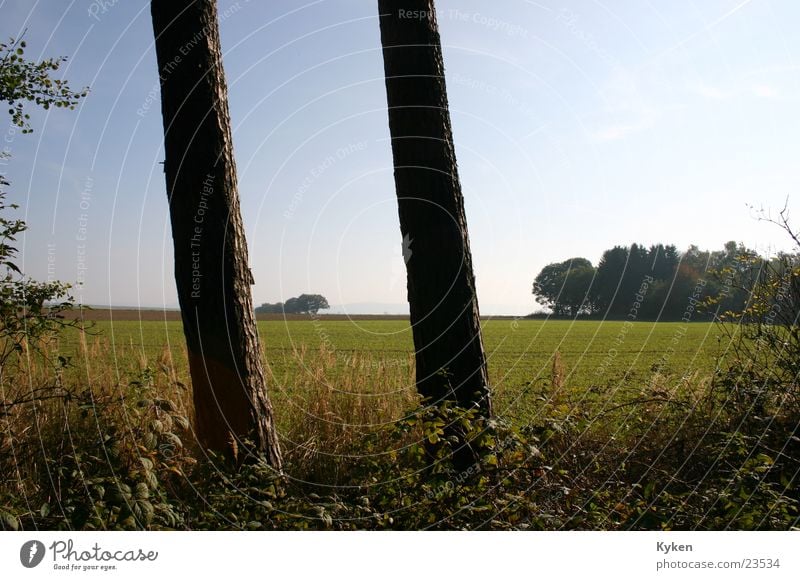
(597, 362)
(602, 425)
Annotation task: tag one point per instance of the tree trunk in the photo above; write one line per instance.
(450, 359)
(211, 264)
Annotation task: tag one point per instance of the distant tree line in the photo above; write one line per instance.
(656, 283)
(303, 304)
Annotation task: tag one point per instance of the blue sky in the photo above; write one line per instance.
(578, 125)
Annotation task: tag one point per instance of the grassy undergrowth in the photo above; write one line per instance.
(115, 450)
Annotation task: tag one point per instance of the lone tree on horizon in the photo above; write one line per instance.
(450, 359)
(211, 263)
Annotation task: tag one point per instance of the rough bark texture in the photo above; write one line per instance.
(211, 264)
(450, 358)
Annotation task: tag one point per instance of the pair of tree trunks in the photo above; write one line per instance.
(211, 264)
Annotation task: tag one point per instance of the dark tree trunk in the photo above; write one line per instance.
(211, 267)
(450, 359)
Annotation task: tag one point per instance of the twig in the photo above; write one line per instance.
(638, 402)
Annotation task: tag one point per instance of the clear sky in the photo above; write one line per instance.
(578, 125)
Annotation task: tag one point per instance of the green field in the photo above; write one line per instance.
(596, 425)
(606, 361)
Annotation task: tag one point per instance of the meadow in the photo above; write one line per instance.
(599, 362)
(598, 425)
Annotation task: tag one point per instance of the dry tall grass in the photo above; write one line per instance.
(323, 413)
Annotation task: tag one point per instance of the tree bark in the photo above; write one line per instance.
(211, 263)
(450, 359)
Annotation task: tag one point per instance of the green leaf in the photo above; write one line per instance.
(11, 521)
(142, 491)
